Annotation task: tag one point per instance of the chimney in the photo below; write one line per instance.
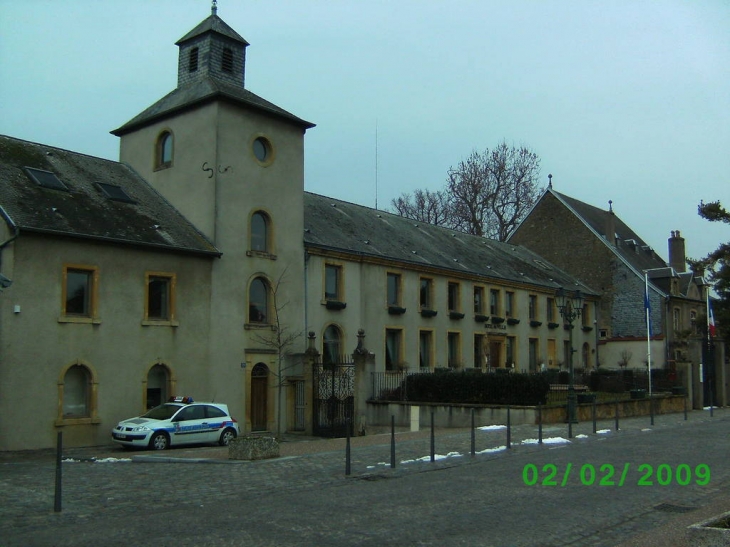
(610, 226)
(677, 258)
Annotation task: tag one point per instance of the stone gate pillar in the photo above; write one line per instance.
(364, 367)
(311, 356)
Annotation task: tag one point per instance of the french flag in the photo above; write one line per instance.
(710, 319)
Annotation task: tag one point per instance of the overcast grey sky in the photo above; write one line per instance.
(626, 101)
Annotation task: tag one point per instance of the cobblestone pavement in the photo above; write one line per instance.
(304, 497)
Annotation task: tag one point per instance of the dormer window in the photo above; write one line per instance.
(193, 60)
(227, 60)
(164, 150)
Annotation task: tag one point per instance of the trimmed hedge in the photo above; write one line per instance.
(461, 387)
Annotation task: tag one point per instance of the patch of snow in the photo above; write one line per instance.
(435, 457)
(96, 460)
(492, 427)
(549, 440)
(581, 436)
(492, 450)
(603, 431)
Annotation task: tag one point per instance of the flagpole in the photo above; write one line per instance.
(708, 314)
(648, 328)
(708, 363)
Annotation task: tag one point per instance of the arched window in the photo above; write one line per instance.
(332, 344)
(164, 150)
(258, 301)
(77, 395)
(260, 232)
(76, 392)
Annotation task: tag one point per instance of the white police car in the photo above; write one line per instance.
(177, 422)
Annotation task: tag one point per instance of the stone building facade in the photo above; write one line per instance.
(597, 247)
(219, 234)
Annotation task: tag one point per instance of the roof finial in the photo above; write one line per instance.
(550, 181)
(610, 206)
(214, 8)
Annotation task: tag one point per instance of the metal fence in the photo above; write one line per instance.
(388, 386)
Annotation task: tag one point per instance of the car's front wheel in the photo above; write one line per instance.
(159, 441)
(227, 436)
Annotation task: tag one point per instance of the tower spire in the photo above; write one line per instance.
(214, 8)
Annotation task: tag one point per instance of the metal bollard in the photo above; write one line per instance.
(509, 430)
(347, 450)
(539, 424)
(616, 415)
(594, 416)
(392, 442)
(473, 439)
(570, 425)
(433, 441)
(685, 408)
(651, 409)
(59, 451)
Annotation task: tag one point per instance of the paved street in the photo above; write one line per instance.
(459, 500)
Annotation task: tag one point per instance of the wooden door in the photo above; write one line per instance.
(259, 393)
(495, 354)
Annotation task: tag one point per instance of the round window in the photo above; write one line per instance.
(261, 149)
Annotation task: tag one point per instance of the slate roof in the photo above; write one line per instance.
(633, 250)
(85, 211)
(341, 226)
(213, 23)
(639, 255)
(200, 92)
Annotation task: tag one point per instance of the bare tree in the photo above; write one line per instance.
(492, 191)
(515, 173)
(424, 206)
(281, 339)
(469, 194)
(487, 194)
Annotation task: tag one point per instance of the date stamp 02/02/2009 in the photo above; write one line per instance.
(609, 475)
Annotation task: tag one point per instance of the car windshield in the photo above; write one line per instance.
(162, 412)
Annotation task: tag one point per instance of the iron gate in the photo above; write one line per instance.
(334, 398)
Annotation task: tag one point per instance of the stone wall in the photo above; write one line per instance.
(459, 416)
(253, 447)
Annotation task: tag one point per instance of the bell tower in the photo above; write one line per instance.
(212, 50)
(232, 163)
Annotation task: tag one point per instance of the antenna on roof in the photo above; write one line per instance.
(610, 206)
(376, 164)
(214, 8)
(550, 180)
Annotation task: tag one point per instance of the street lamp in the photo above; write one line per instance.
(570, 307)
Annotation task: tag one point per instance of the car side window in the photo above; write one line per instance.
(214, 412)
(190, 413)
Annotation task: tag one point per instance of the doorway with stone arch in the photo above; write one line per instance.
(259, 397)
(158, 385)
